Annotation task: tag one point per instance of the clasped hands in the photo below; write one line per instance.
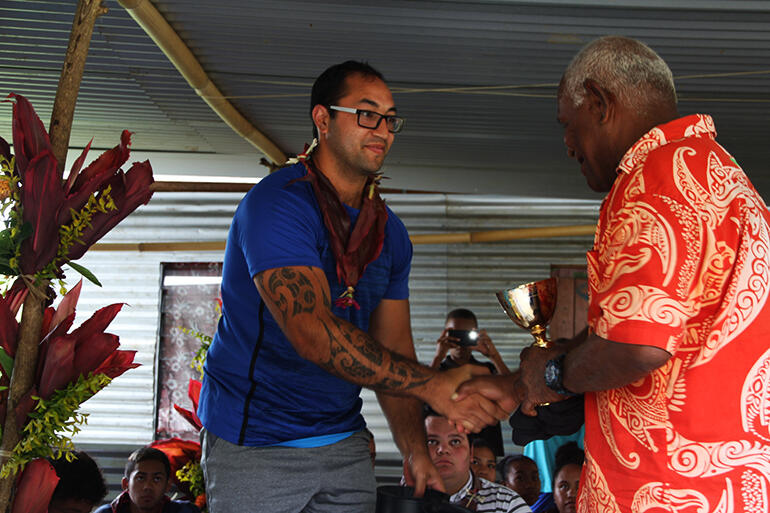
(472, 398)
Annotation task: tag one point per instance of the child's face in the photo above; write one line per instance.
(147, 484)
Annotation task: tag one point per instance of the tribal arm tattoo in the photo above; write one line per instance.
(299, 300)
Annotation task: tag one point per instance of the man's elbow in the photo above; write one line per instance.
(649, 358)
(305, 340)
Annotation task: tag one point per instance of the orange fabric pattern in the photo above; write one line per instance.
(681, 261)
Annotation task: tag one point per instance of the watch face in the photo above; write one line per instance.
(551, 374)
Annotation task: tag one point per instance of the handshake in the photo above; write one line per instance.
(472, 399)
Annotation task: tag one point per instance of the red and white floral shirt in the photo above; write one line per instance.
(681, 261)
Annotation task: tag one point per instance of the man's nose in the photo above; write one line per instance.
(570, 151)
(443, 449)
(382, 128)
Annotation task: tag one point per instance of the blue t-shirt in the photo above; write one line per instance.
(257, 390)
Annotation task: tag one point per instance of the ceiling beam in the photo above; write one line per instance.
(156, 26)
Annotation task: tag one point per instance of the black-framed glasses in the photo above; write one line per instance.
(371, 119)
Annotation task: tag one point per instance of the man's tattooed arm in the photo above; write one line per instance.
(299, 300)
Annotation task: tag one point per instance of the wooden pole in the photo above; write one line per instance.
(25, 362)
(71, 75)
(24, 366)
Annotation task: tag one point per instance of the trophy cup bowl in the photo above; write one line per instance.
(531, 307)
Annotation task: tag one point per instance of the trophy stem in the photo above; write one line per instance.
(538, 332)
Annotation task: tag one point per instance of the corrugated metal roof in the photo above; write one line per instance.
(265, 55)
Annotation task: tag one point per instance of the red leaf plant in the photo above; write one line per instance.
(48, 202)
(191, 416)
(35, 487)
(179, 452)
(64, 356)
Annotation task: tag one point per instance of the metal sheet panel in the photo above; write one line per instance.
(443, 277)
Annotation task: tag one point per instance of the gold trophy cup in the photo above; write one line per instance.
(531, 306)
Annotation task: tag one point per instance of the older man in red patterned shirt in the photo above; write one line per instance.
(675, 365)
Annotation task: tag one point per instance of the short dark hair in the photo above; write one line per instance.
(462, 313)
(477, 441)
(568, 454)
(329, 87)
(78, 479)
(146, 454)
(505, 464)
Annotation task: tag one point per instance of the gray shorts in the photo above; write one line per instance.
(335, 478)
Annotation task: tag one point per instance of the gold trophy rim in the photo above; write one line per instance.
(540, 319)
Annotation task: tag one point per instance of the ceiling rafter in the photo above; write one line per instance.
(155, 25)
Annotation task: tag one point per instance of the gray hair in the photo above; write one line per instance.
(628, 68)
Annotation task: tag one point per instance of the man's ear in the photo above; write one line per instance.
(321, 119)
(600, 100)
(168, 485)
(124, 483)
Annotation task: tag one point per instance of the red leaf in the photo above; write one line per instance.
(179, 451)
(35, 487)
(17, 295)
(98, 322)
(189, 416)
(104, 166)
(117, 363)
(67, 306)
(59, 366)
(194, 393)
(76, 166)
(29, 136)
(5, 149)
(60, 331)
(41, 196)
(9, 327)
(89, 354)
(128, 191)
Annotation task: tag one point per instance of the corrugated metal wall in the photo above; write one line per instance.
(443, 277)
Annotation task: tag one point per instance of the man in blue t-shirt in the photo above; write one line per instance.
(315, 306)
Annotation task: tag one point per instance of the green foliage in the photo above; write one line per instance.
(6, 363)
(84, 272)
(192, 473)
(53, 422)
(15, 229)
(71, 233)
(200, 355)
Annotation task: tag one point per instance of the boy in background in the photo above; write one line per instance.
(146, 480)
(81, 485)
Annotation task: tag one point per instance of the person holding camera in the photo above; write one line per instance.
(460, 337)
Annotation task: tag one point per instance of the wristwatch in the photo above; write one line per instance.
(554, 375)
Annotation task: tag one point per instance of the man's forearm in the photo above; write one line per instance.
(600, 364)
(405, 420)
(499, 364)
(298, 299)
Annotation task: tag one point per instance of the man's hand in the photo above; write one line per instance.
(420, 473)
(443, 345)
(532, 372)
(485, 346)
(506, 390)
(469, 414)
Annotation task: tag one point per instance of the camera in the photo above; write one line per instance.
(464, 337)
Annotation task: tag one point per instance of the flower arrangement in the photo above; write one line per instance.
(46, 369)
(185, 455)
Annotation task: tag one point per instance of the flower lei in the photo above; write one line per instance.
(353, 250)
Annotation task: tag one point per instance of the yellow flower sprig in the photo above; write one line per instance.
(10, 206)
(53, 423)
(192, 473)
